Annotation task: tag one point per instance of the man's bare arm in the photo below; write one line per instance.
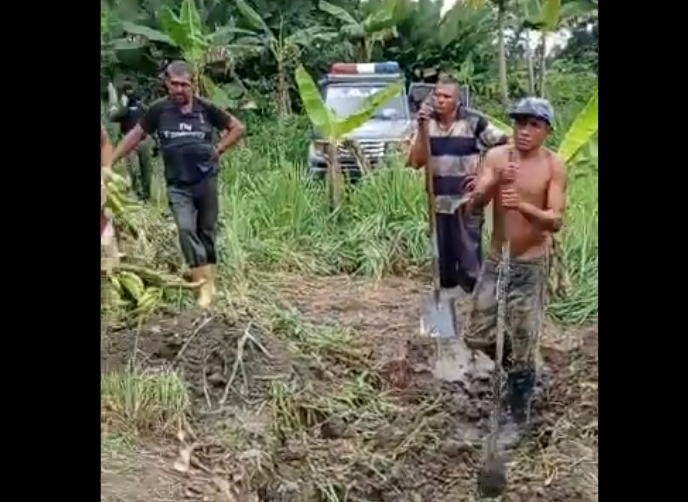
(232, 133)
(418, 153)
(486, 183)
(492, 137)
(128, 143)
(551, 219)
(105, 148)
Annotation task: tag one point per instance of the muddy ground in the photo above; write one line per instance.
(312, 417)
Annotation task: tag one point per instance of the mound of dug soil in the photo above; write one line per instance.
(312, 414)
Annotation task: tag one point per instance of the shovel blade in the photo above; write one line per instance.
(438, 318)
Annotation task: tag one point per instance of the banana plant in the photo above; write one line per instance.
(378, 26)
(284, 49)
(503, 7)
(572, 150)
(546, 16)
(583, 129)
(199, 47)
(333, 128)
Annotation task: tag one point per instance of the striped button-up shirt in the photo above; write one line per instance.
(456, 151)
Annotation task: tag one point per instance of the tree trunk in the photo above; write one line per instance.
(530, 57)
(362, 51)
(543, 65)
(334, 175)
(283, 100)
(503, 79)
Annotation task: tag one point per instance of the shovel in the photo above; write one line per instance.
(438, 311)
(438, 316)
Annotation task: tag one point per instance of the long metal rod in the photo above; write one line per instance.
(502, 291)
(432, 217)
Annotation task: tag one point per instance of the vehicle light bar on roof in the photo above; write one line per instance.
(385, 67)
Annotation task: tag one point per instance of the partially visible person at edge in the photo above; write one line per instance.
(527, 185)
(105, 148)
(185, 124)
(457, 136)
(108, 241)
(139, 163)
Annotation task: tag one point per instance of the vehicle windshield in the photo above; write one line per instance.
(347, 99)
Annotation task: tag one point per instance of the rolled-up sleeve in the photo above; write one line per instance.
(491, 136)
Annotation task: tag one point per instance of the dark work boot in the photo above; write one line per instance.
(514, 420)
(520, 387)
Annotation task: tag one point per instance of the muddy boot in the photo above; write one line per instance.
(193, 277)
(510, 432)
(520, 387)
(201, 275)
(513, 421)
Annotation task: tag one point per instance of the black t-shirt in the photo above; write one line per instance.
(186, 139)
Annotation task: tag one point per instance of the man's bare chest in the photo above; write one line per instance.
(532, 184)
(532, 178)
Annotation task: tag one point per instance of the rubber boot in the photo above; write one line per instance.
(514, 420)
(201, 274)
(520, 388)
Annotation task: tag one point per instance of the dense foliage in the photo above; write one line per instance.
(252, 47)
(248, 51)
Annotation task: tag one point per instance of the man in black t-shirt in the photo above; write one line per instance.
(139, 163)
(184, 125)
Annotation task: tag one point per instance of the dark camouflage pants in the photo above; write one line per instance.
(140, 167)
(525, 304)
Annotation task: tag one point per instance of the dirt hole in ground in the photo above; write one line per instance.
(310, 413)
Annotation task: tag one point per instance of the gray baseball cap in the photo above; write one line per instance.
(538, 108)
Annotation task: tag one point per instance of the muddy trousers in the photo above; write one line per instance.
(524, 315)
(195, 211)
(140, 168)
(459, 239)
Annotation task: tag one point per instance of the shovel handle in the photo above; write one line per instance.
(432, 217)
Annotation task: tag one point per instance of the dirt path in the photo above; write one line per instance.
(388, 309)
(136, 476)
(386, 312)
(325, 419)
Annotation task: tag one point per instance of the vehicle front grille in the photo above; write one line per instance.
(371, 150)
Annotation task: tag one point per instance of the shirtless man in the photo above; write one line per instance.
(526, 184)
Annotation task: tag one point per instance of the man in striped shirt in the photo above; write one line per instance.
(456, 136)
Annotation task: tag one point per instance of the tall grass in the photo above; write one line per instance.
(580, 248)
(274, 218)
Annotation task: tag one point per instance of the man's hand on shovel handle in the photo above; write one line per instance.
(510, 198)
(507, 176)
(507, 173)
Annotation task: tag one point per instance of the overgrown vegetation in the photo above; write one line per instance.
(311, 405)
